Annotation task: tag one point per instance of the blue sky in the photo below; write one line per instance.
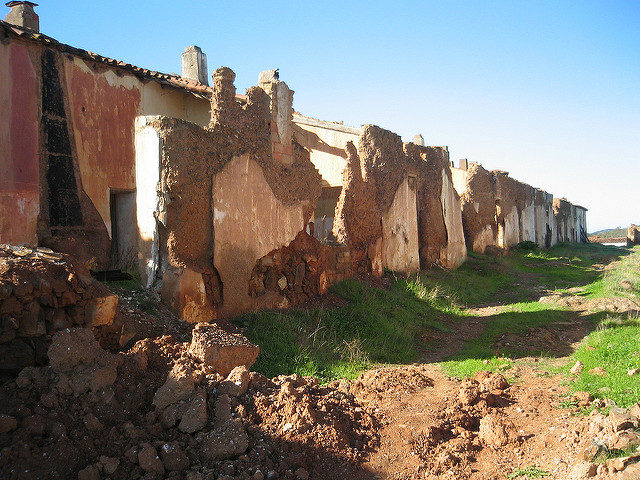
(549, 91)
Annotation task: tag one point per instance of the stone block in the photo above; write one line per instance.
(221, 350)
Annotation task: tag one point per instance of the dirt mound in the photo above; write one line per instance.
(156, 411)
(42, 292)
(375, 385)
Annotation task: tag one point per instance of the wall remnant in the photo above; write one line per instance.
(228, 195)
(633, 235)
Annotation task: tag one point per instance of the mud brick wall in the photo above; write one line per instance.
(302, 270)
(42, 292)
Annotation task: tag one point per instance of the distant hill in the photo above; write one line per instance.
(610, 232)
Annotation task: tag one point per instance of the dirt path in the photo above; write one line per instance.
(431, 432)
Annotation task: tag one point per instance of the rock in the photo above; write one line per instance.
(633, 371)
(173, 458)
(7, 424)
(598, 371)
(35, 424)
(469, 392)
(616, 464)
(282, 282)
(179, 385)
(101, 310)
(583, 399)
(77, 355)
(226, 441)
(495, 431)
(490, 381)
(621, 420)
(624, 440)
(220, 350)
(583, 470)
(92, 423)
(194, 417)
(149, 460)
(236, 383)
(109, 464)
(89, 473)
(302, 474)
(223, 409)
(72, 348)
(577, 368)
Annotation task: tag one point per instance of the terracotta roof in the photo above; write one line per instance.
(164, 78)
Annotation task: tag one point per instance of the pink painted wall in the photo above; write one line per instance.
(19, 138)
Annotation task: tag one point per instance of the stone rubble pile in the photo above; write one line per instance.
(166, 409)
(42, 292)
(614, 435)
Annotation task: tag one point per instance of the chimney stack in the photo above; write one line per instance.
(464, 164)
(23, 15)
(418, 140)
(194, 65)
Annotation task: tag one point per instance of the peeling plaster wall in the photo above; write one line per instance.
(400, 231)
(454, 254)
(479, 209)
(249, 222)
(459, 178)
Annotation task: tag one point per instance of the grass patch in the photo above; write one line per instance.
(528, 472)
(614, 346)
(377, 326)
(482, 353)
(623, 280)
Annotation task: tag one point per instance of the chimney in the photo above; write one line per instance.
(194, 65)
(418, 140)
(22, 15)
(464, 164)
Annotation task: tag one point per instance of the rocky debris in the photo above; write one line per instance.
(598, 371)
(81, 363)
(221, 351)
(577, 368)
(149, 460)
(42, 292)
(582, 399)
(495, 431)
(167, 415)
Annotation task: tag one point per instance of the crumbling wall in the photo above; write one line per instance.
(42, 292)
(545, 223)
(226, 196)
(301, 270)
(565, 227)
(440, 232)
(479, 209)
(400, 230)
(326, 143)
(633, 235)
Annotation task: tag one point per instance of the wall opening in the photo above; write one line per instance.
(325, 214)
(124, 229)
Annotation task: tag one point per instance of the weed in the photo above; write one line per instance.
(529, 472)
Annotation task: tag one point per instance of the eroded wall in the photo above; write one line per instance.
(400, 230)
(225, 197)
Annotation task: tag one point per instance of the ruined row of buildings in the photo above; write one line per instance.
(227, 202)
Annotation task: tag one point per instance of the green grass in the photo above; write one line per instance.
(377, 326)
(529, 472)
(623, 280)
(387, 326)
(481, 353)
(614, 346)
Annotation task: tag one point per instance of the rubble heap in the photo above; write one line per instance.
(42, 292)
(166, 409)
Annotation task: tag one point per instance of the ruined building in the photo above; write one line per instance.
(227, 202)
